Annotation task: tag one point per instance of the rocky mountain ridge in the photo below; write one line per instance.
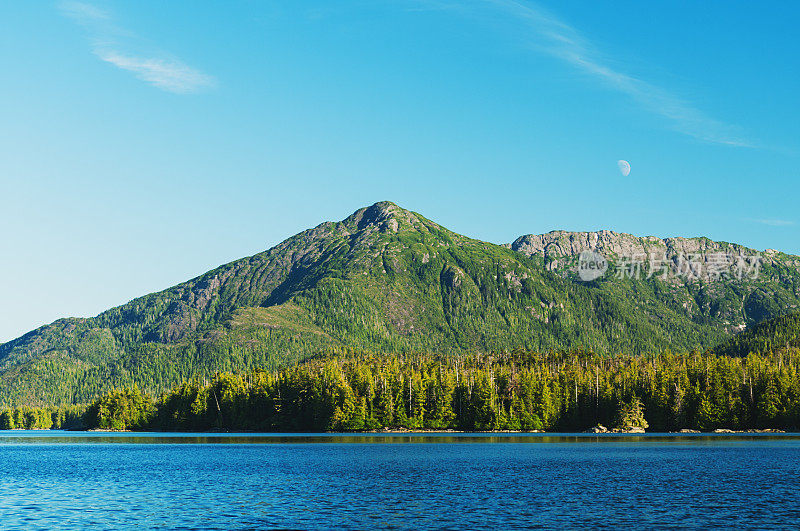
(736, 285)
(560, 244)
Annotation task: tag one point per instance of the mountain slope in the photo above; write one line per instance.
(773, 335)
(384, 279)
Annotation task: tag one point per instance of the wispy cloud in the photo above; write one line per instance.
(552, 36)
(169, 75)
(774, 222)
(122, 48)
(84, 12)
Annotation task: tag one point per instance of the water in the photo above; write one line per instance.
(52, 480)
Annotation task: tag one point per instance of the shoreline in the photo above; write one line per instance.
(405, 431)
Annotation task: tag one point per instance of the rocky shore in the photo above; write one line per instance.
(602, 429)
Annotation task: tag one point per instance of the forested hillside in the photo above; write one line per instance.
(773, 336)
(383, 280)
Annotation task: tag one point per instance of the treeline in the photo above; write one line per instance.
(513, 391)
(33, 418)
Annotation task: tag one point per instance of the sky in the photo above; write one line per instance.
(144, 143)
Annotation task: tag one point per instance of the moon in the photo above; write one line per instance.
(624, 167)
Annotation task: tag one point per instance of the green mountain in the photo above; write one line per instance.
(774, 335)
(384, 279)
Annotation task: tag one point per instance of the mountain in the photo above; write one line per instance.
(383, 279)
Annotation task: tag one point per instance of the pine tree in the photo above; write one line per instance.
(631, 415)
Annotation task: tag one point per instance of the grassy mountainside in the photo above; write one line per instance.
(384, 279)
(775, 335)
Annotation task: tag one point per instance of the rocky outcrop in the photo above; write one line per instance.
(634, 429)
(689, 257)
(561, 243)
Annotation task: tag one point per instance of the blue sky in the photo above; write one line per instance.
(144, 143)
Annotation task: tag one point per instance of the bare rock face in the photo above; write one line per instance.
(561, 243)
(702, 257)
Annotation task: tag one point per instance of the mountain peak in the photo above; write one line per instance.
(384, 216)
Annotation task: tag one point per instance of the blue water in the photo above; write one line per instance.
(52, 480)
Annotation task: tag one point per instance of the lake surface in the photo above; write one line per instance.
(52, 480)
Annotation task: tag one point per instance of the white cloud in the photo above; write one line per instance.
(117, 46)
(83, 12)
(548, 34)
(170, 75)
(775, 222)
